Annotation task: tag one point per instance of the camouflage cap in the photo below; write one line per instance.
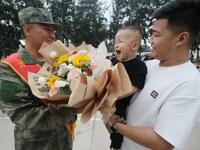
(37, 15)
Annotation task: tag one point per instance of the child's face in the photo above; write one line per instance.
(123, 47)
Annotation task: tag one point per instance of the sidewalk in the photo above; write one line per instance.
(89, 136)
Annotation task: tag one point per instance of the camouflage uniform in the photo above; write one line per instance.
(37, 126)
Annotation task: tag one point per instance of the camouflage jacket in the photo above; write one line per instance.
(37, 126)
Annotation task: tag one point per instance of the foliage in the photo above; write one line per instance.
(10, 30)
(133, 12)
(83, 20)
(8, 26)
(110, 46)
(117, 17)
(144, 48)
(196, 47)
(89, 24)
(63, 12)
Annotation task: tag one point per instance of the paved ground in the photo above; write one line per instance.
(90, 136)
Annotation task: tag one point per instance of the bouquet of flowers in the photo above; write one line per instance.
(80, 77)
(65, 71)
(68, 73)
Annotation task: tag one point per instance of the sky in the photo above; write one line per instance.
(108, 3)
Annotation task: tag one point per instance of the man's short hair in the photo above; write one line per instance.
(182, 15)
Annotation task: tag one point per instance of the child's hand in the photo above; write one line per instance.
(110, 121)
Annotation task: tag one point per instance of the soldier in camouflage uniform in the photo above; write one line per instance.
(38, 126)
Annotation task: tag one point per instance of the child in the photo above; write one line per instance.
(127, 42)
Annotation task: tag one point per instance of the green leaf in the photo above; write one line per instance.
(43, 89)
(65, 91)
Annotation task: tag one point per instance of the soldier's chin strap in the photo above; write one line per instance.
(17, 64)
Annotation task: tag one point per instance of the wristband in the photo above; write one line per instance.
(116, 119)
(114, 128)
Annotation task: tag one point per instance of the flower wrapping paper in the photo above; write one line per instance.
(90, 93)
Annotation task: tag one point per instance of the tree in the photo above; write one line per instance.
(117, 19)
(140, 11)
(83, 21)
(9, 25)
(133, 12)
(10, 29)
(196, 48)
(89, 23)
(63, 11)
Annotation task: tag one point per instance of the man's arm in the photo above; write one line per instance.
(143, 136)
(25, 109)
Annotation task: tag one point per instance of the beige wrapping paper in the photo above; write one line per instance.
(93, 106)
(35, 86)
(85, 90)
(81, 47)
(90, 94)
(84, 93)
(57, 46)
(111, 85)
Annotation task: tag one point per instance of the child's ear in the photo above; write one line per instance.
(135, 46)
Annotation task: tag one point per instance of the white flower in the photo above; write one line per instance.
(60, 83)
(83, 52)
(61, 72)
(42, 80)
(70, 67)
(64, 67)
(53, 54)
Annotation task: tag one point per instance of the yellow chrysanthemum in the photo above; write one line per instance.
(86, 58)
(78, 60)
(51, 81)
(62, 59)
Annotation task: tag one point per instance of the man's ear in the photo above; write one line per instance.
(183, 38)
(26, 29)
